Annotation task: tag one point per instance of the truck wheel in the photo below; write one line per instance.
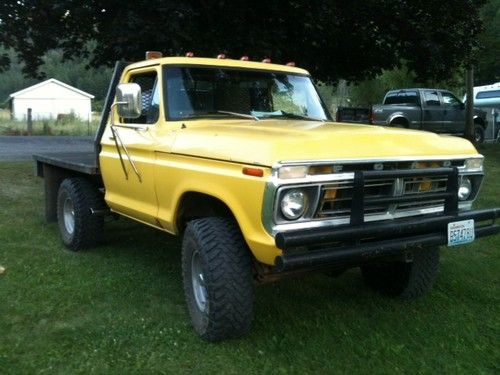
(478, 133)
(402, 279)
(218, 282)
(79, 229)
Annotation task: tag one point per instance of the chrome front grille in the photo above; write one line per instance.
(336, 199)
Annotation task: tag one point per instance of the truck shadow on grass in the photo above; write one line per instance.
(280, 306)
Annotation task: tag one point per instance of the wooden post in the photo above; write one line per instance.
(469, 109)
(30, 122)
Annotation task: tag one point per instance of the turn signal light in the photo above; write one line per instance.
(292, 171)
(256, 172)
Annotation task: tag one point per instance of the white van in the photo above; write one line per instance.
(486, 96)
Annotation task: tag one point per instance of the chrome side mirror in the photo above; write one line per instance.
(128, 100)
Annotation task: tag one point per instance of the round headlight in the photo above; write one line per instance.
(293, 204)
(464, 189)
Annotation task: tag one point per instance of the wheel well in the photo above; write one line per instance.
(479, 121)
(400, 121)
(198, 205)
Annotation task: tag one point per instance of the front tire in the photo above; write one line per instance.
(79, 229)
(405, 279)
(218, 281)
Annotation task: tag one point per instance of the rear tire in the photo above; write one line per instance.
(405, 279)
(218, 281)
(79, 229)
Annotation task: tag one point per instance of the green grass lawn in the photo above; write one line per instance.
(120, 308)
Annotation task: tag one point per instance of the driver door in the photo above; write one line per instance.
(127, 158)
(454, 114)
(432, 111)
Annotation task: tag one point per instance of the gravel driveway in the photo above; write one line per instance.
(23, 147)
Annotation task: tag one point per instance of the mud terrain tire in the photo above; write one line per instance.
(218, 281)
(79, 229)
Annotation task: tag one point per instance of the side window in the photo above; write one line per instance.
(431, 98)
(450, 100)
(488, 94)
(402, 97)
(150, 98)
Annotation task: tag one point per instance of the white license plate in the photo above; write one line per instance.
(460, 232)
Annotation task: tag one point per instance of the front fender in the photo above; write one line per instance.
(242, 194)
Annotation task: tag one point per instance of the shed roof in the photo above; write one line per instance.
(51, 80)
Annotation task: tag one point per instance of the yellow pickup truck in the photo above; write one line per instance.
(243, 160)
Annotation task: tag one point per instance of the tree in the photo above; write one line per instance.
(488, 63)
(333, 39)
(94, 80)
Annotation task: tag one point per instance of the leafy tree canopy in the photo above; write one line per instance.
(94, 81)
(488, 64)
(333, 39)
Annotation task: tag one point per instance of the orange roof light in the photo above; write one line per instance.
(189, 54)
(153, 55)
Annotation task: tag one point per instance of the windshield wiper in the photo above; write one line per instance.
(237, 114)
(295, 116)
(215, 113)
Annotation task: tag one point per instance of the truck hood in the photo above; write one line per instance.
(266, 142)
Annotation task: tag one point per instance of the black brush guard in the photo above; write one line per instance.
(359, 242)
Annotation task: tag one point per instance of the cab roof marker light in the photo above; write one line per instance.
(290, 63)
(244, 58)
(221, 56)
(267, 60)
(296, 171)
(153, 55)
(189, 54)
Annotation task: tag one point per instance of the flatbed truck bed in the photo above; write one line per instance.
(82, 162)
(55, 167)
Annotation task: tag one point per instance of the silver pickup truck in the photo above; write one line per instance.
(434, 110)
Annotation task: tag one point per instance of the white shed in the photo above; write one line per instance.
(50, 98)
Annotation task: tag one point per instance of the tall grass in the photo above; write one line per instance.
(68, 126)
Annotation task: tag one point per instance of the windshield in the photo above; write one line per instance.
(199, 92)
